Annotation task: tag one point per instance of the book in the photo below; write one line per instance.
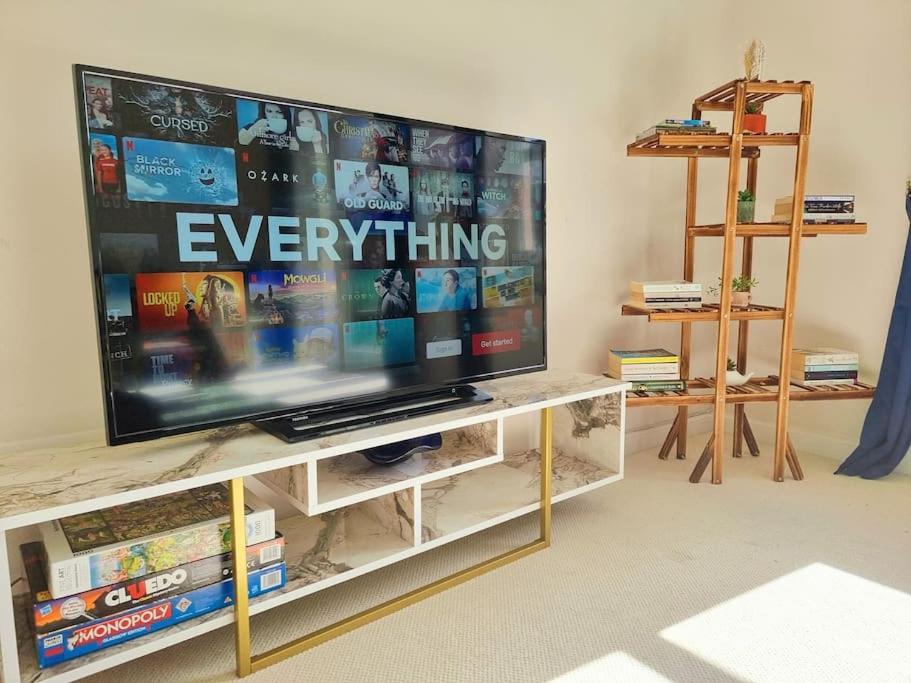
(829, 366)
(687, 122)
(667, 299)
(665, 286)
(95, 549)
(641, 356)
(665, 306)
(822, 356)
(79, 640)
(655, 377)
(817, 198)
(48, 614)
(676, 130)
(836, 374)
(631, 369)
(818, 382)
(675, 385)
(810, 206)
(816, 218)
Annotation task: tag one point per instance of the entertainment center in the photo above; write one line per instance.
(341, 516)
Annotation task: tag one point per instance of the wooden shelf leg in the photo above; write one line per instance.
(686, 329)
(669, 439)
(793, 462)
(750, 438)
(707, 454)
(738, 430)
(704, 460)
(682, 418)
(790, 295)
(743, 328)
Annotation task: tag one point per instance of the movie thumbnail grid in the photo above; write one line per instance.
(190, 328)
(153, 142)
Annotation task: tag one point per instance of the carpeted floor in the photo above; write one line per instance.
(649, 579)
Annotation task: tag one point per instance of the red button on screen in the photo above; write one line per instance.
(495, 342)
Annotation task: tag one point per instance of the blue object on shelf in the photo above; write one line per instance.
(886, 434)
(392, 453)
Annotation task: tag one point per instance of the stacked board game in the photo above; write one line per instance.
(100, 578)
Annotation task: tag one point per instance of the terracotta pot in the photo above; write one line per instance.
(754, 123)
(741, 299)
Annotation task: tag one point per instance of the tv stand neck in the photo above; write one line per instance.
(335, 418)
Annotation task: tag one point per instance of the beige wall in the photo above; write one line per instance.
(583, 75)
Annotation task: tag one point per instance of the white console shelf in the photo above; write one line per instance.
(341, 515)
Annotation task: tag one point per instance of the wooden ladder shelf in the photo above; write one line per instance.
(734, 96)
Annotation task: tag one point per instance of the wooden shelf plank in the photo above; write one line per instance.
(716, 145)
(706, 313)
(701, 391)
(779, 229)
(722, 97)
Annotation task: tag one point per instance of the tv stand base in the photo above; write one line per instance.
(333, 418)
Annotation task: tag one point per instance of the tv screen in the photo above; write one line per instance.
(256, 254)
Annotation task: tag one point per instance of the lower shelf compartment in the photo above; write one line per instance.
(701, 391)
(466, 502)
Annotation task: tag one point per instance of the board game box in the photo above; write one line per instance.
(76, 641)
(49, 614)
(96, 549)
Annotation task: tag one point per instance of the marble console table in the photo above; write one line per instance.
(342, 516)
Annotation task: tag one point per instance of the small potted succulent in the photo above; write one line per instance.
(746, 206)
(754, 119)
(742, 294)
(734, 378)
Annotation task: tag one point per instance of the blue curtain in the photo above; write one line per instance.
(886, 434)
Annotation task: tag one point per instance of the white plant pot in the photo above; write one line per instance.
(735, 379)
(741, 299)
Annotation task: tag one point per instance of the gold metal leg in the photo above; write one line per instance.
(247, 663)
(239, 565)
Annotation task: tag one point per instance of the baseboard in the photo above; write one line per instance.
(651, 436)
(832, 447)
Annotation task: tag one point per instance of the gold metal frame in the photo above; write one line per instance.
(248, 663)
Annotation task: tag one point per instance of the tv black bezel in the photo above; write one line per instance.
(113, 439)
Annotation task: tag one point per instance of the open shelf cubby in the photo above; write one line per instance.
(327, 484)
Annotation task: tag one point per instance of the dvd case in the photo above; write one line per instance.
(96, 549)
(49, 614)
(76, 641)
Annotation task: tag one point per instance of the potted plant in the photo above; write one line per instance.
(754, 119)
(734, 378)
(746, 206)
(742, 294)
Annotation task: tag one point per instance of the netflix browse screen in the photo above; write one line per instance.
(256, 254)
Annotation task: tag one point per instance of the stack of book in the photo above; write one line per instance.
(824, 366)
(678, 127)
(817, 208)
(662, 294)
(101, 578)
(647, 369)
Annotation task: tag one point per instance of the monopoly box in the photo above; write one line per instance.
(76, 641)
(122, 542)
(50, 614)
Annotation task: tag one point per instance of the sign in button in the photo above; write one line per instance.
(444, 349)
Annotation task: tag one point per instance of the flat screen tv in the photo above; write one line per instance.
(256, 255)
